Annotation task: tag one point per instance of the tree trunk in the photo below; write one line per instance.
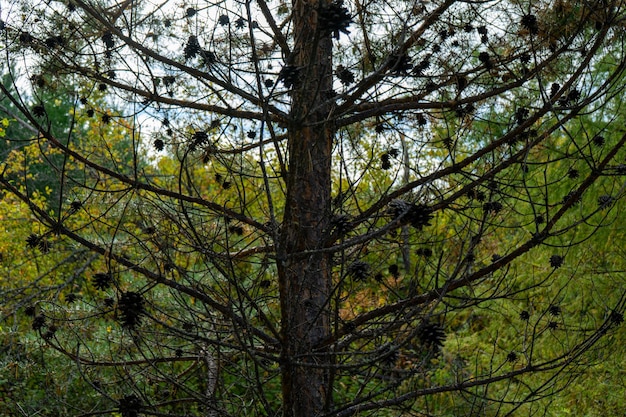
(305, 278)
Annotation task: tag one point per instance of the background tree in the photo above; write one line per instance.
(38, 272)
(352, 209)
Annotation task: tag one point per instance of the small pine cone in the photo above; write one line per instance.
(44, 245)
(485, 59)
(200, 137)
(359, 270)
(400, 65)
(598, 140)
(223, 20)
(389, 355)
(342, 223)
(108, 40)
(605, 201)
(158, 144)
(529, 22)
(38, 322)
(573, 173)
(556, 261)
(492, 207)
(554, 88)
(394, 271)
(385, 162)
(417, 215)
(345, 75)
(289, 75)
(131, 306)
(192, 47)
(554, 310)
(75, 206)
(521, 114)
(424, 252)
(32, 241)
(334, 18)
(431, 335)
(39, 110)
(102, 281)
(130, 406)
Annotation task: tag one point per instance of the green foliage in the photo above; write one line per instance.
(457, 190)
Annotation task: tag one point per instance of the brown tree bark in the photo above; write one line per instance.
(305, 274)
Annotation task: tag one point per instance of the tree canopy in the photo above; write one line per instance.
(310, 208)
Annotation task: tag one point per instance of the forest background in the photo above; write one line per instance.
(318, 208)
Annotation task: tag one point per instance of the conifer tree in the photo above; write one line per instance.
(321, 208)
